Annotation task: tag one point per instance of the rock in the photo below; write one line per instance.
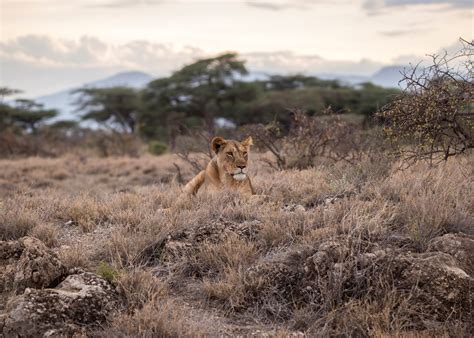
(293, 208)
(82, 300)
(28, 263)
(460, 246)
(277, 280)
(436, 284)
(39, 297)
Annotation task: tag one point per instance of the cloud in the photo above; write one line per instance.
(266, 5)
(401, 32)
(371, 6)
(42, 49)
(127, 3)
(88, 52)
(289, 62)
(374, 6)
(27, 61)
(40, 64)
(276, 5)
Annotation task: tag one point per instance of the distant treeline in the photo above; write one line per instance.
(194, 96)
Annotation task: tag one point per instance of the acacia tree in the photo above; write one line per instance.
(112, 107)
(28, 114)
(198, 92)
(22, 114)
(5, 109)
(433, 116)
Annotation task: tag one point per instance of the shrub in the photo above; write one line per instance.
(157, 147)
(46, 233)
(107, 272)
(433, 116)
(311, 139)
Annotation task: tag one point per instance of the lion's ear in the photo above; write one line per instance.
(217, 144)
(247, 142)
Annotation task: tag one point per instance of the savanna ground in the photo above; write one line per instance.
(308, 256)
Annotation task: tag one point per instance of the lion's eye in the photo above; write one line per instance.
(245, 153)
(230, 155)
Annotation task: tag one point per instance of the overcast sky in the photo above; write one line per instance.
(48, 45)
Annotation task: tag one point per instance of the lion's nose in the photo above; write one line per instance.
(241, 166)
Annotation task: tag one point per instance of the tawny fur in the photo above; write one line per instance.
(227, 170)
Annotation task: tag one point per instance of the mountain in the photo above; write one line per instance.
(64, 100)
(350, 80)
(388, 76)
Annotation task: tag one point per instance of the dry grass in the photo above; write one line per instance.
(93, 210)
(47, 233)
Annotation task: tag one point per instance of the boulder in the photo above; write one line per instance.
(183, 242)
(459, 246)
(437, 284)
(28, 263)
(40, 297)
(82, 300)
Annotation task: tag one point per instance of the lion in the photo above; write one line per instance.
(226, 170)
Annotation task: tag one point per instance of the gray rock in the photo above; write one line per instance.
(28, 263)
(82, 300)
(39, 297)
(460, 246)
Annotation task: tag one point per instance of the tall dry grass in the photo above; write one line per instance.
(212, 250)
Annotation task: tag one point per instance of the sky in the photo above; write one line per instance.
(49, 45)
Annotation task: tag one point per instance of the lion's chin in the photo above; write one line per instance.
(239, 177)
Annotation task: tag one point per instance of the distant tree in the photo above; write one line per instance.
(434, 114)
(198, 92)
(370, 98)
(23, 114)
(113, 107)
(5, 91)
(314, 98)
(5, 109)
(29, 115)
(285, 82)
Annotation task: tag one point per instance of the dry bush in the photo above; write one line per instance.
(154, 319)
(140, 287)
(76, 256)
(16, 221)
(46, 233)
(229, 289)
(55, 142)
(116, 144)
(312, 139)
(431, 202)
(87, 212)
(434, 113)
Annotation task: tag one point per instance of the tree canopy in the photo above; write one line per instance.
(197, 93)
(116, 106)
(22, 114)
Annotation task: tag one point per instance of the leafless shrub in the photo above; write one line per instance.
(433, 116)
(194, 150)
(112, 143)
(311, 138)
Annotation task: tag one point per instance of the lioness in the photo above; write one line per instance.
(227, 170)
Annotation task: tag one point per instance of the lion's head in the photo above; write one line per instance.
(232, 156)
